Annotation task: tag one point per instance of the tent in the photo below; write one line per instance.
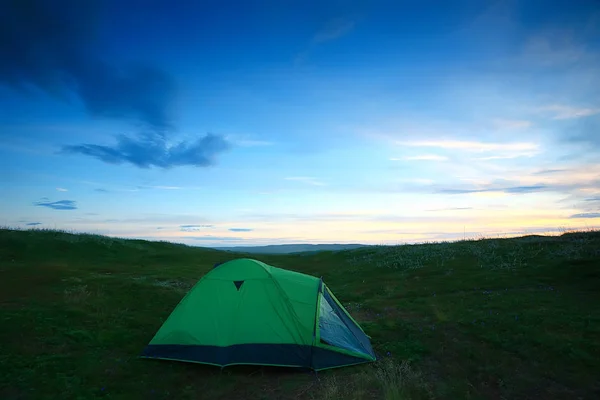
(247, 312)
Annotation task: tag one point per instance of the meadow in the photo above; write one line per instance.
(511, 318)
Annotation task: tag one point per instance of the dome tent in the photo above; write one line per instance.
(247, 312)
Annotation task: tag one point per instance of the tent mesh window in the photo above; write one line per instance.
(335, 330)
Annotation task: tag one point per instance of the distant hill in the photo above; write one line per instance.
(290, 248)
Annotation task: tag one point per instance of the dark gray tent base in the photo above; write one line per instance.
(285, 355)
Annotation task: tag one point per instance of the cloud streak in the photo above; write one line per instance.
(424, 157)
(569, 112)
(512, 124)
(549, 171)
(585, 131)
(57, 205)
(305, 179)
(194, 228)
(217, 238)
(471, 145)
(450, 209)
(332, 30)
(510, 189)
(52, 45)
(585, 215)
(569, 184)
(240, 230)
(335, 29)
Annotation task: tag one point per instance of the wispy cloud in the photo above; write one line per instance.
(553, 48)
(334, 29)
(569, 112)
(57, 205)
(245, 141)
(241, 229)
(306, 179)
(474, 146)
(512, 124)
(166, 187)
(508, 156)
(215, 238)
(194, 228)
(254, 143)
(424, 157)
(549, 171)
(584, 131)
(33, 223)
(572, 182)
(585, 215)
(509, 189)
(450, 209)
(59, 189)
(419, 181)
(137, 188)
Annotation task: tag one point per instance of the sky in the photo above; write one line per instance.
(231, 123)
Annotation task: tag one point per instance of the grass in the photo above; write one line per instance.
(484, 319)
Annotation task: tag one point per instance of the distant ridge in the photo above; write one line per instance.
(290, 248)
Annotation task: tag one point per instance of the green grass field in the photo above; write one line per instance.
(484, 319)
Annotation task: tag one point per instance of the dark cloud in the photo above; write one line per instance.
(100, 190)
(194, 228)
(597, 198)
(57, 205)
(50, 45)
(585, 215)
(241, 229)
(153, 150)
(54, 46)
(33, 223)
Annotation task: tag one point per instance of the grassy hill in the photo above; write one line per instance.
(291, 248)
(487, 319)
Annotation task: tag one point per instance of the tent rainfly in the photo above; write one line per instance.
(247, 312)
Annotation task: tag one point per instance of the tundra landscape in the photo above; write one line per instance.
(510, 318)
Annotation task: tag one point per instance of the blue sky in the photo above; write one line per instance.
(242, 123)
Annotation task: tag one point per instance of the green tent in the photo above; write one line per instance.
(247, 312)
